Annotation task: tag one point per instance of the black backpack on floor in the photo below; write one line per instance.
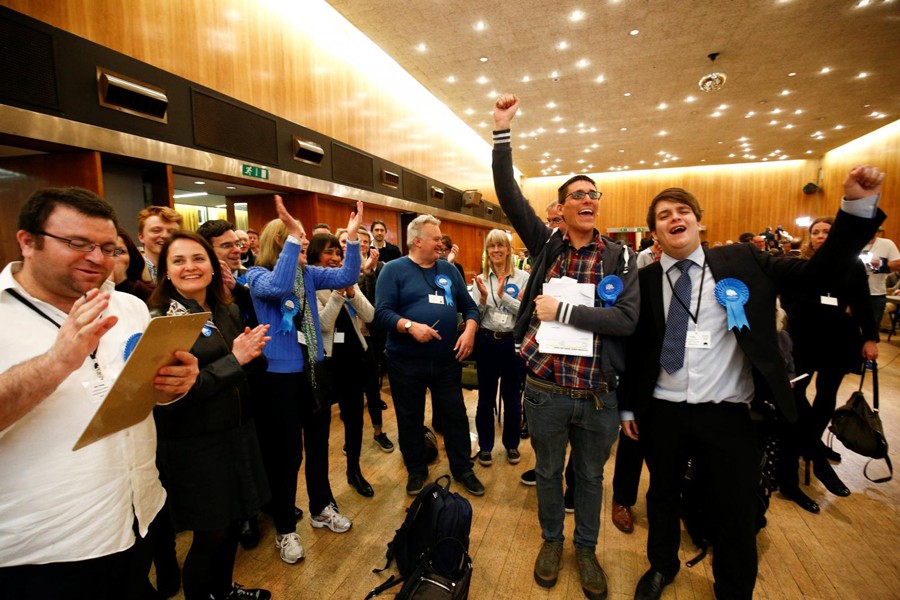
(435, 514)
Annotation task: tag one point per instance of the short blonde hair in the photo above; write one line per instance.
(271, 242)
(497, 236)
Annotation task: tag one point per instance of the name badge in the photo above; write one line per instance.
(301, 338)
(698, 339)
(829, 300)
(96, 389)
(503, 319)
(338, 337)
(435, 299)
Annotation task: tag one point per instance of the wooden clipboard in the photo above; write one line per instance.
(133, 396)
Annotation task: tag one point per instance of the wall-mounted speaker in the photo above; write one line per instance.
(471, 198)
(306, 151)
(128, 95)
(389, 179)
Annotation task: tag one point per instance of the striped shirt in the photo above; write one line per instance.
(585, 266)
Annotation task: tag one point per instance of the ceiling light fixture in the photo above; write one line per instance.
(479, 26)
(483, 59)
(634, 32)
(563, 45)
(576, 15)
(422, 47)
(712, 82)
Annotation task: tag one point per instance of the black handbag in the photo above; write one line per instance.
(859, 427)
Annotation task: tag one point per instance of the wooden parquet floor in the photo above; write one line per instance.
(850, 550)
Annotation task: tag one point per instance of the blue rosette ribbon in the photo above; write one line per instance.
(609, 289)
(131, 344)
(290, 306)
(511, 289)
(733, 295)
(207, 329)
(444, 282)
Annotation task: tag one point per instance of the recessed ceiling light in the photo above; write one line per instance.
(451, 79)
(482, 80)
(838, 126)
(554, 75)
(551, 104)
(785, 92)
(576, 15)
(483, 59)
(789, 126)
(808, 152)
(523, 147)
(526, 79)
(663, 132)
(199, 183)
(863, 3)
(634, 32)
(582, 63)
(662, 106)
(716, 114)
(627, 94)
(773, 122)
(825, 70)
(731, 155)
(623, 129)
(480, 26)
(799, 111)
(470, 111)
(422, 47)
(600, 79)
(595, 145)
(557, 119)
(563, 45)
(641, 162)
(723, 106)
(230, 187)
(792, 74)
(690, 99)
(776, 111)
(749, 114)
(862, 75)
(621, 151)
(482, 124)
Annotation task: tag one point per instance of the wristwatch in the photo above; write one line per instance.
(407, 326)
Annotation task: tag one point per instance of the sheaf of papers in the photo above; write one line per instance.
(557, 338)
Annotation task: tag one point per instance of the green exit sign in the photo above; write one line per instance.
(255, 172)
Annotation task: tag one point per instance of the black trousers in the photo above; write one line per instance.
(103, 578)
(287, 427)
(627, 476)
(721, 441)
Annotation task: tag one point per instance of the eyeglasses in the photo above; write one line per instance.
(108, 249)
(232, 245)
(579, 195)
(555, 220)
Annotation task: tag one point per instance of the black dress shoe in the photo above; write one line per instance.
(651, 584)
(359, 483)
(249, 533)
(801, 499)
(829, 478)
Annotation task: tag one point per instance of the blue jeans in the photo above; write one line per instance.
(554, 420)
(410, 377)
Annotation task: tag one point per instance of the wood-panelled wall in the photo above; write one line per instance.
(294, 60)
(743, 198)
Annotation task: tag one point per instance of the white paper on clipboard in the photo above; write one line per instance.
(133, 396)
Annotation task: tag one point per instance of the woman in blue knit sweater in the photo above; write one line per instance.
(283, 288)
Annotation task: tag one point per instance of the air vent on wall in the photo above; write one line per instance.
(131, 96)
(437, 193)
(306, 151)
(488, 210)
(388, 179)
(471, 198)
(27, 65)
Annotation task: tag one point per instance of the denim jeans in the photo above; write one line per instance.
(554, 420)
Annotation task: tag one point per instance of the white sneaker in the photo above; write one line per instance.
(289, 544)
(332, 519)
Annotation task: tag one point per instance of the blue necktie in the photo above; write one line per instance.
(672, 357)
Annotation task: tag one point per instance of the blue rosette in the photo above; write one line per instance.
(131, 343)
(609, 289)
(733, 295)
(207, 329)
(444, 282)
(511, 289)
(290, 306)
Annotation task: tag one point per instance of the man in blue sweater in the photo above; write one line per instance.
(417, 301)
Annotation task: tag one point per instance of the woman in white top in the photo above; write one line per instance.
(496, 292)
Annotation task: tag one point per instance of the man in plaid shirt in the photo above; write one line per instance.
(569, 398)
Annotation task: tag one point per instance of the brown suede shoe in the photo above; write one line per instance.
(546, 567)
(593, 579)
(622, 519)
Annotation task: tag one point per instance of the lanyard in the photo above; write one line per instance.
(25, 301)
(422, 272)
(490, 287)
(699, 293)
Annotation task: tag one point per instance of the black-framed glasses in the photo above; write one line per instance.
(231, 245)
(579, 195)
(108, 249)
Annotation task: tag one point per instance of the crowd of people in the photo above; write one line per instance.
(653, 361)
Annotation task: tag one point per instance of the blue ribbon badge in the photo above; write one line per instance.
(733, 295)
(443, 282)
(131, 344)
(609, 289)
(512, 289)
(290, 306)
(207, 329)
